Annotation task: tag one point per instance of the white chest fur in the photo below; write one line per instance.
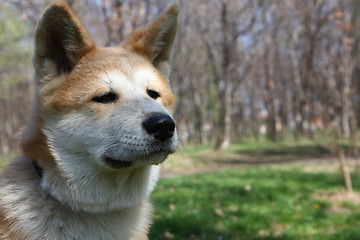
(40, 216)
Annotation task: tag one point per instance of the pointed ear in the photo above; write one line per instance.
(155, 40)
(60, 40)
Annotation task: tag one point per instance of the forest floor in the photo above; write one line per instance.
(270, 198)
(196, 159)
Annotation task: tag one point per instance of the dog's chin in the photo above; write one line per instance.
(152, 159)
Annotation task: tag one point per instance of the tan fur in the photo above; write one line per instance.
(149, 40)
(79, 196)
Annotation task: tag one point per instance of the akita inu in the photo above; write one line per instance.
(100, 126)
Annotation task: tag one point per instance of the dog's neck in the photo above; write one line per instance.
(86, 187)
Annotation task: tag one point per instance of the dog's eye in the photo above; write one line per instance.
(152, 93)
(107, 97)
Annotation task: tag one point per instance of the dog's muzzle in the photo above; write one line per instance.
(150, 146)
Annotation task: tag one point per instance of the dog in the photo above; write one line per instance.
(100, 126)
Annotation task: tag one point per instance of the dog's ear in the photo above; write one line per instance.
(155, 40)
(60, 40)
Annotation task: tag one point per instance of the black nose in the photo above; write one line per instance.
(159, 125)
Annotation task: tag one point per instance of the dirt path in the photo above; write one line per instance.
(171, 171)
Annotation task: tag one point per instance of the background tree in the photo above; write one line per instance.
(15, 76)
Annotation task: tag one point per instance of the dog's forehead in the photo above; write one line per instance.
(119, 80)
(116, 67)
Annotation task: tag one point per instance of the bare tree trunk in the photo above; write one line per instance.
(269, 82)
(255, 123)
(199, 115)
(297, 91)
(342, 160)
(224, 129)
(307, 110)
(114, 22)
(349, 120)
(270, 98)
(223, 134)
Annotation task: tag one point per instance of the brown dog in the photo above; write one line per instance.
(100, 126)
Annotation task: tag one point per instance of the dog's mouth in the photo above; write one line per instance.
(117, 164)
(153, 159)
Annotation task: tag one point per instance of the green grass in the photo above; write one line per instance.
(275, 203)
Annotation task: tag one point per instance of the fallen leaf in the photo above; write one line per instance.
(233, 208)
(169, 235)
(172, 207)
(247, 187)
(219, 212)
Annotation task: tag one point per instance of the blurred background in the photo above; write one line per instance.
(257, 82)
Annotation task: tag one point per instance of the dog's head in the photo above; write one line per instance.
(110, 105)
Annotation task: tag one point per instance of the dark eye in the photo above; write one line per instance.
(108, 97)
(153, 94)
